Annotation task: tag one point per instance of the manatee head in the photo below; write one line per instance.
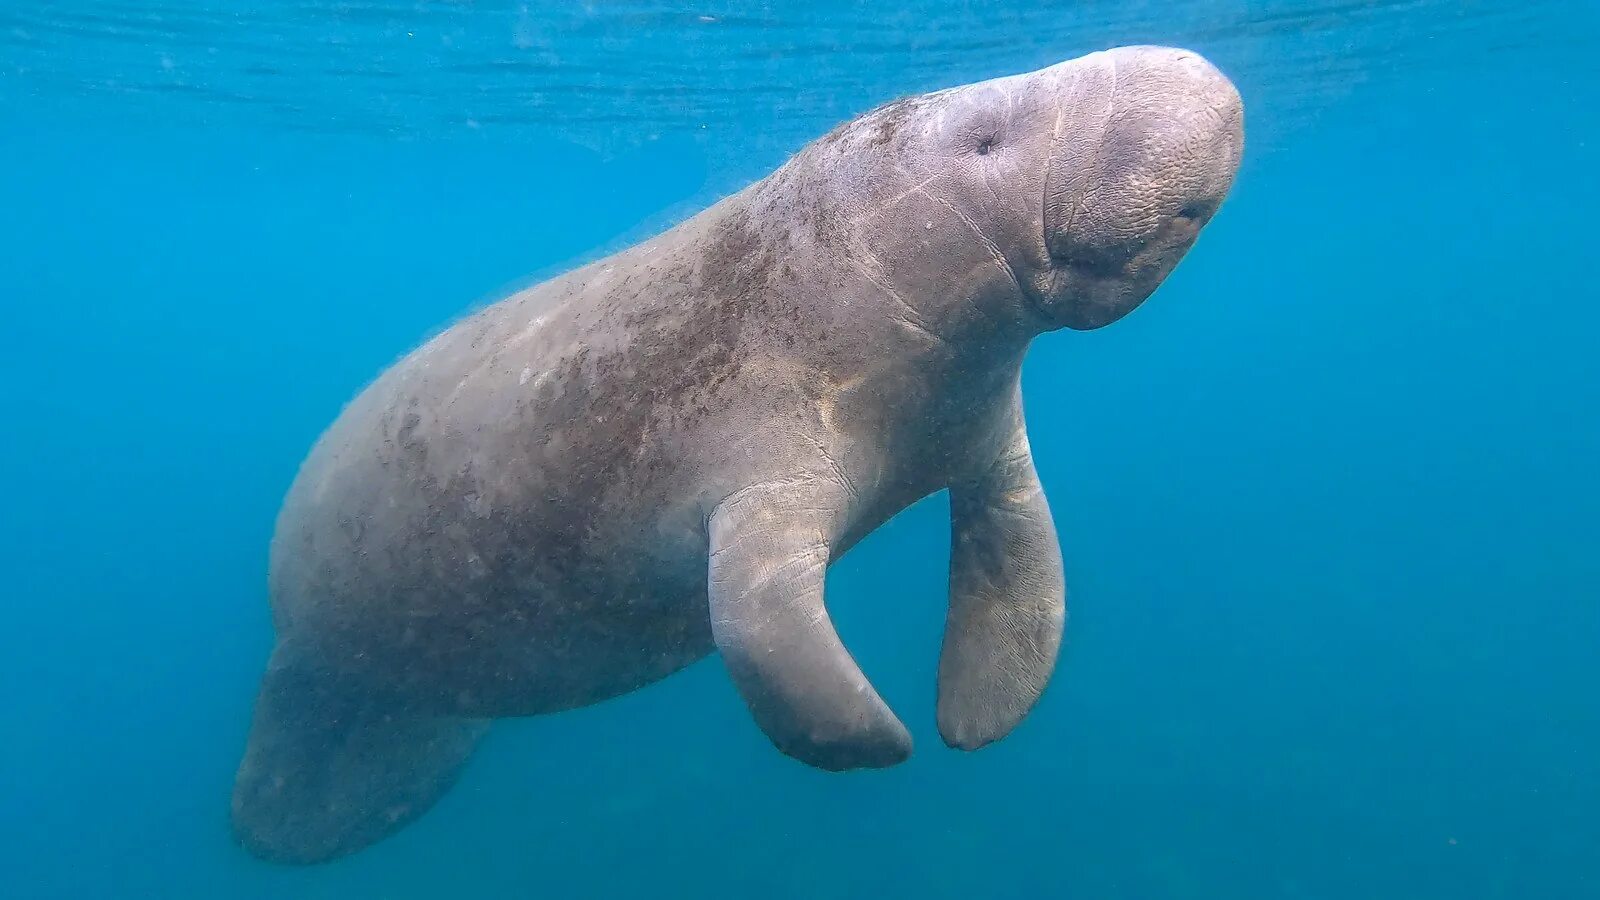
(1078, 187)
(1153, 146)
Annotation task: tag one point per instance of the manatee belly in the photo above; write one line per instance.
(480, 577)
(512, 518)
(445, 617)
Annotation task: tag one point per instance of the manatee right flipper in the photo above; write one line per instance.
(769, 552)
(1007, 598)
(327, 773)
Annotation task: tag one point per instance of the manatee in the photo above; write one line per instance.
(595, 482)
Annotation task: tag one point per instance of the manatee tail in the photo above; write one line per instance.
(326, 774)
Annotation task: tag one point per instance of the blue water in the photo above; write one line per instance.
(1329, 501)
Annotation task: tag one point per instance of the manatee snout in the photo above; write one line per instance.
(1156, 139)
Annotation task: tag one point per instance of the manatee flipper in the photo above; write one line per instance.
(768, 557)
(326, 774)
(1007, 599)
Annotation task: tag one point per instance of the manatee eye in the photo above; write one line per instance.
(985, 145)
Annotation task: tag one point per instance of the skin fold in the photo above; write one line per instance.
(595, 482)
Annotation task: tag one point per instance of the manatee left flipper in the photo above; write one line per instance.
(769, 552)
(1007, 599)
(327, 773)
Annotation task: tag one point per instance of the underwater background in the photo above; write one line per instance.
(1329, 501)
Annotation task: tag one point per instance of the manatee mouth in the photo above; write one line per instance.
(1082, 300)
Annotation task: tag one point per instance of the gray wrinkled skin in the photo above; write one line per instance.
(595, 482)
